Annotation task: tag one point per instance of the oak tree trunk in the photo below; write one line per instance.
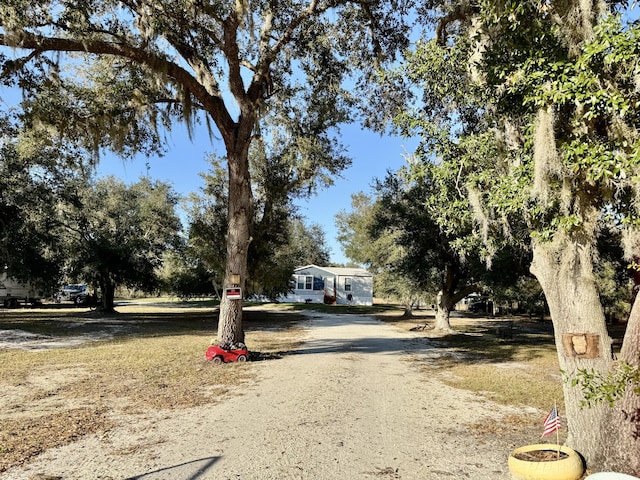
(621, 427)
(240, 215)
(408, 309)
(444, 306)
(450, 294)
(108, 292)
(564, 269)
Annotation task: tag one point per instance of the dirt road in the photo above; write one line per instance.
(351, 403)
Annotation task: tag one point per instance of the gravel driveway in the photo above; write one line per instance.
(351, 403)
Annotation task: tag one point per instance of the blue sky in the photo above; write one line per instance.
(371, 153)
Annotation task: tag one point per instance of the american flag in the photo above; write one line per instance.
(552, 422)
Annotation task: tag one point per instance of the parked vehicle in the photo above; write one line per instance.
(14, 292)
(478, 307)
(481, 306)
(75, 292)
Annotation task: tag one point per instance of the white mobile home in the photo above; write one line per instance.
(14, 292)
(314, 284)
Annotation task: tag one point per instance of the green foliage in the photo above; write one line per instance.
(207, 224)
(101, 232)
(525, 294)
(117, 234)
(598, 387)
(185, 277)
(462, 164)
(114, 75)
(288, 244)
(476, 95)
(595, 102)
(613, 277)
(34, 178)
(353, 231)
(377, 248)
(417, 235)
(106, 104)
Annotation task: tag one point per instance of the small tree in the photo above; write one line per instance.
(308, 243)
(117, 234)
(365, 242)
(185, 276)
(441, 254)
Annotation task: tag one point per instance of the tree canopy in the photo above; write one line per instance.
(418, 234)
(379, 250)
(33, 182)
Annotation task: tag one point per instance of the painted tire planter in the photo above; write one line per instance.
(611, 476)
(568, 467)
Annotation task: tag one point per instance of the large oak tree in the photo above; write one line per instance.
(552, 88)
(139, 62)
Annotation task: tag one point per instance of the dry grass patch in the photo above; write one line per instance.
(49, 398)
(528, 426)
(531, 383)
(135, 374)
(510, 361)
(273, 330)
(156, 372)
(23, 438)
(519, 371)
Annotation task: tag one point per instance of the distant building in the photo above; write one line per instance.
(314, 284)
(14, 292)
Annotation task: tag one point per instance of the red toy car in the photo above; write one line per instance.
(227, 353)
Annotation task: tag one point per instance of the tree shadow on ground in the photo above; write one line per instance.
(497, 340)
(483, 340)
(81, 321)
(187, 471)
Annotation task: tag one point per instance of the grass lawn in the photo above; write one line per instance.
(520, 368)
(144, 357)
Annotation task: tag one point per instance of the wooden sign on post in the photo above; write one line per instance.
(581, 345)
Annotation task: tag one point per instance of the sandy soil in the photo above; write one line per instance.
(351, 403)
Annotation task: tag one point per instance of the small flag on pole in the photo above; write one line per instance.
(552, 422)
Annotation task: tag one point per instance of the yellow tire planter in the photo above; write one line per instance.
(566, 468)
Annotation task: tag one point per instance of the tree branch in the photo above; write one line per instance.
(469, 289)
(213, 104)
(285, 38)
(16, 65)
(461, 12)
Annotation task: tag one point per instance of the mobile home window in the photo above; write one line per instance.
(304, 282)
(347, 284)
